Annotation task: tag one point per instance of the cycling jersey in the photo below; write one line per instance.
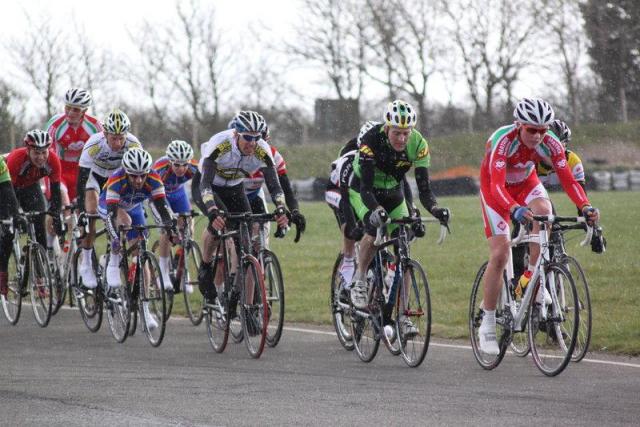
(253, 184)
(4, 171)
(548, 175)
(171, 181)
(68, 143)
(509, 163)
(100, 158)
(118, 190)
(342, 170)
(24, 173)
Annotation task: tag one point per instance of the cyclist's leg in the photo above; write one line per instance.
(359, 289)
(258, 206)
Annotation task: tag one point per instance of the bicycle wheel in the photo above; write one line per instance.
(217, 319)
(584, 300)
(169, 295)
(274, 286)
(235, 324)
(12, 301)
(553, 328)
(253, 307)
(57, 284)
(389, 314)
(152, 300)
(89, 300)
(476, 313)
(40, 285)
(366, 326)
(194, 300)
(340, 316)
(118, 305)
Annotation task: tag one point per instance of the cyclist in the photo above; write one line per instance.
(386, 154)
(509, 187)
(227, 158)
(337, 197)
(121, 204)
(255, 193)
(175, 169)
(101, 155)
(27, 165)
(8, 209)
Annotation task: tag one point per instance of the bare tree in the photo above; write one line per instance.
(42, 56)
(495, 41)
(328, 35)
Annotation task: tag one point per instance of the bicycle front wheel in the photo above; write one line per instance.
(12, 301)
(89, 300)
(584, 307)
(152, 300)
(476, 314)
(274, 286)
(340, 316)
(366, 326)
(553, 327)
(58, 284)
(118, 305)
(193, 298)
(40, 285)
(413, 322)
(253, 306)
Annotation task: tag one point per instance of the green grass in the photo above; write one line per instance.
(451, 268)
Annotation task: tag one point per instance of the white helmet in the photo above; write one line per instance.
(400, 114)
(534, 112)
(117, 122)
(366, 127)
(179, 151)
(37, 139)
(249, 121)
(77, 97)
(136, 161)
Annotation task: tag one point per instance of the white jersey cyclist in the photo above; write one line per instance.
(101, 159)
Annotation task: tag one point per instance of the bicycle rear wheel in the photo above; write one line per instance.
(12, 301)
(476, 313)
(414, 306)
(152, 300)
(274, 287)
(584, 306)
(118, 305)
(193, 300)
(40, 285)
(340, 316)
(253, 307)
(89, 300)
(553, 328)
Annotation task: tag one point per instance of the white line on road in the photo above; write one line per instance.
(466, 347)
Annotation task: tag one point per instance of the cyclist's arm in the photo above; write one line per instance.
(110, 223)
(427, 198)
(408, 194)
(367, 164)
(273, 185)
(162, 208)
(290, 197)
(56, 199)
(209, 168)
(565, 175)
(10, 202)
(83, 176)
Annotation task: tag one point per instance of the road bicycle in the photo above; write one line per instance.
(28, 271)
(405, 303)
(552, 328)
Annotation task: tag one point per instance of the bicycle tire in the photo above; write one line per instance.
(417, 309)
(40, 285)
(194, 301)
(118, 305)
(217, 321)
(89, 300)
(476, 313)
(169, 295)
(12, 301)
(553, 339)
(274, 286)
(253, 310)
(366, 327)
(57, 284)
(584, 298)
(340, 316)
(152, 292)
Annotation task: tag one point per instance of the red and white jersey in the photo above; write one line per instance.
(67, 141)
(508, 162)
(255, 181)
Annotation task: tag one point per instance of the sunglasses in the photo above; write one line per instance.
(533, 131)
(179, 165)
(250, 138)
(137, 175)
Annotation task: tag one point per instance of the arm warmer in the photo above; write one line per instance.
(427, 198)
(161, 206)
(290, 197)
(273, 185)
(209, 168)
(10, 205)
(83, 176)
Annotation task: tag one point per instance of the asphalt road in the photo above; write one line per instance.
(65, 375)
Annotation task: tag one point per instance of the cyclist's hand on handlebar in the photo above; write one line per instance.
(591, 214)
(522, 214)
(20, 222)
(216, 219)
(281, 217)
(299, 220)
(378, 217)
(441, 214)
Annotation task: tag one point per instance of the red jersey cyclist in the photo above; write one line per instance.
(510, 188)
